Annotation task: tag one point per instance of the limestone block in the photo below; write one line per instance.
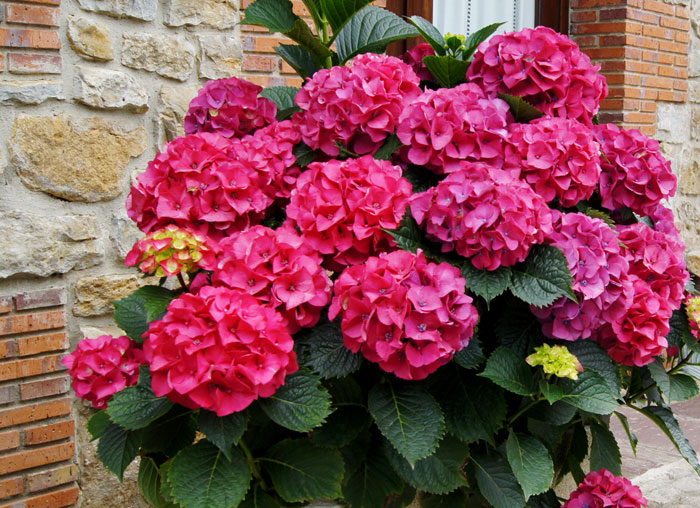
(687, 170)
(171, 56)
(139, 9)
(89, 39)
(124, 234)
(94, 295)
(45, 245)
(107, 89)
(694, 91)
(220, 56)
(174, 101)
(673, 485)
(30, 92)
(94, 154)
(221, 14)
(672, 122)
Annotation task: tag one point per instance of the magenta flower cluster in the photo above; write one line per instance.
(405, 314)
(602, 489)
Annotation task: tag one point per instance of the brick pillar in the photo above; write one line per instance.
(642, 46)
(37, 465)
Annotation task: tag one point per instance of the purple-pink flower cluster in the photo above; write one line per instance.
(602, 489)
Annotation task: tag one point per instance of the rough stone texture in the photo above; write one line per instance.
(171, 56)
(89, 171)
(3, 162)
(39, 245)
(94, 295)
(124, 234)
(107, 89)
(139, 9)
(174, 101)
(672, 122)
(219, 14)
(89, 39)
(30, 92)
(220, 56)
(674, 485)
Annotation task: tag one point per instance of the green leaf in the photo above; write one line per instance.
(472, 356)
(531, 463)
(97, 424)
(598, 214)
(275, 15)
(131, 316)
(321, 349)
(522, 111)
(477, 38)
(300, 404)
(343, 425)
(202, 477)
(283, 97)
(496, 481)
(552, 392)
(430, 33)
(407, 236)
(420, 178)
(546, 500)
(663, 417)
(484, 283)
(223, 431)
(630, 435)
(543, 277)
(170, 433)
(339, 12)
(117, 447)
(456, 499)
(304, 155)
(604, 450)
(679, 333)
(157, 299)
(136, 407)
(508, 370)
(300, 59)
(372, 482)
(590, 393)
(593, 357)
(302, 34)
(408, 417)
(683, 388)
(370, 31)
(302, 471)
(149, 482)
(520, 330)
(258, 498)
(439, 473)
(447, 70)
(388, 149)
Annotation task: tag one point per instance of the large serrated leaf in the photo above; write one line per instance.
(447, 70)
(456, 499)
(388, 148)
(477, 38)
(97, 424)
(300, 59)
(370, 31)
(302, 34)
(522, 111)
(283, 97)
(339, 12)
(521, 331)
(679, 333)
(590, 393)
(136, 407)
(342, 426)
(149, 482)
(546, 500)
(472, 356)
(302, 471)
(275, 15)
(408, 417)
(304, 155)
(484, 283)
(223, 431)
(543, 277)
(322, 350)
(258, 498)
(633, 440)
(496, 481)
(530, 462)
(130, 315)
(508, 370)
(117, 447)
(202, 477)
(407, 236)
(683, 387)
(157, 299)
(170, 433)
(439, 473)
(430, 33)
(605, 453)
(372, 482)
(300, 404)
(592, 356)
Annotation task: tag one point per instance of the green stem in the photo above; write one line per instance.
(253, 464)
(680, 364)
(529, 406)
(325, 39)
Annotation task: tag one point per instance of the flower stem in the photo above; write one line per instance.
(252, 463)
(182, 281)
(529, 406)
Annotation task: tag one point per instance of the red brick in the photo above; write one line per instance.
(667, 95)
(596, 3)
(579, 16)
(649, 107)
(43, 2)
(267, 44)
(651, 5)
(30, 367)
(673, 47)
(682, 37)
(48, 433)
(658, 32)
(600, 28)
(58, 499)
(52, 478)
(43, 298)
(9, 440)
(682, 12)
(643, 16)
(31, 15)
(32, 322)
(27, 346)
(259, 63)
(5, 301)
(10, 487)
(22, 63)
(601, 53)
(8, 349)
(642, 118)
(43, 388)
(8, 394)
(2, 68)
(29, 38)
(28, 459)
(34, 413)
(585, 40)
(613, 14)
(612, 40)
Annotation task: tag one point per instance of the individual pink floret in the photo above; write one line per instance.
(414, 58)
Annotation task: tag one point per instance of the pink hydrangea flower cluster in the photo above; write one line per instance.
(230, 107)
(558, 157)
(407, 315)
(218, 350)
(634, 173)
(602, 489)
(356, 106)
(341, 207)
(172, 250)
(601, 281)
(103, 366)
(414, 58)
(692, 307)
(545, 68)
(278, 268)
(485, 214)
(443, 127)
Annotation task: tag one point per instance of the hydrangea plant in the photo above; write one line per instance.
(431, 279)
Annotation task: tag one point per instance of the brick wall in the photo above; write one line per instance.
(37, 449)
(29, 40)
(642, 46)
